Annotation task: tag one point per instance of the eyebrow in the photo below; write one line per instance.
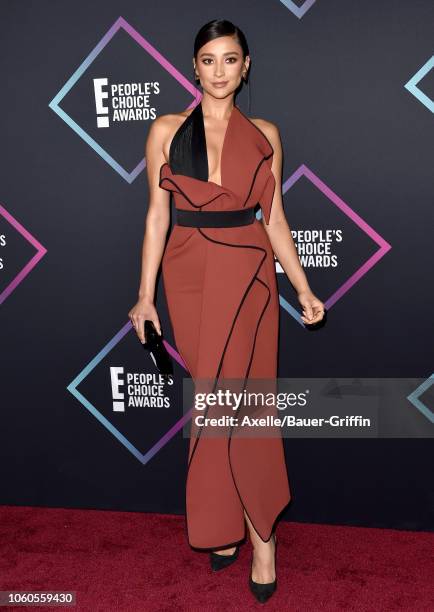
(228, 53)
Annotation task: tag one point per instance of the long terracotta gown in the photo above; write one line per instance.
(221, 291)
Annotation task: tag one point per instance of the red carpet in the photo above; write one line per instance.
(129, 561)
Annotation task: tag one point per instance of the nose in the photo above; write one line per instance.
(219, 69)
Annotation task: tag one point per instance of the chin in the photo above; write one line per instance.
(218, 92)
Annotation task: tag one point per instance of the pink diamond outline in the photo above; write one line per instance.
(384, 246)
(40, 252)
(120, 23)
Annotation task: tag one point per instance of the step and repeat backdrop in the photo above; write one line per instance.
(85, 420)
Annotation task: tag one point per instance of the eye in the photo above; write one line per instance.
(207, 60)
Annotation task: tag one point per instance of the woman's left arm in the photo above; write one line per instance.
(281, 239)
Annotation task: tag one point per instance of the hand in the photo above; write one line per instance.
(144, 309)
(313, 308)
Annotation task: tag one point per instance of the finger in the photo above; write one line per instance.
(140, 329)
(315, 318)
(157, 325)
(308, 312)
(319, 314)
(321, 311)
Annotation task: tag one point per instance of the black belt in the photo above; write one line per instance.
(215, 218)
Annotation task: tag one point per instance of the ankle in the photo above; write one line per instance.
(264, 563)
(261, 547)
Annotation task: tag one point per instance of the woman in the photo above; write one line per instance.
(221, 290)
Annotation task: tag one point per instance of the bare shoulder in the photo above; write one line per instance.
(163, 129)
(170, 121)
(162, 125)
(269, 129)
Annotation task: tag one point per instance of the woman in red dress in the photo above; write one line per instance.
(221, 291)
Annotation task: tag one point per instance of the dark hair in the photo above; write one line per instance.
(222, 27)
(216, 28)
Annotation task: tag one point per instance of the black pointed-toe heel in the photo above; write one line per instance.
(263, 591)
(219, 562)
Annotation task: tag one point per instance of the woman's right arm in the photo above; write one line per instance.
(157, 223)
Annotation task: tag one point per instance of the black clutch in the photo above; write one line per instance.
(154, 344)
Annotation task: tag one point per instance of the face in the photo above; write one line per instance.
(220, 66)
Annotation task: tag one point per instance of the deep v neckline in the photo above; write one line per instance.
(188, 153)
(222, 152)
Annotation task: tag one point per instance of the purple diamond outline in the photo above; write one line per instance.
(384, 246)
(40, 252)
(146, 456)
(154, 53)
(298, 11)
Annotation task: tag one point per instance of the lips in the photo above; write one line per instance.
(220, 83)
